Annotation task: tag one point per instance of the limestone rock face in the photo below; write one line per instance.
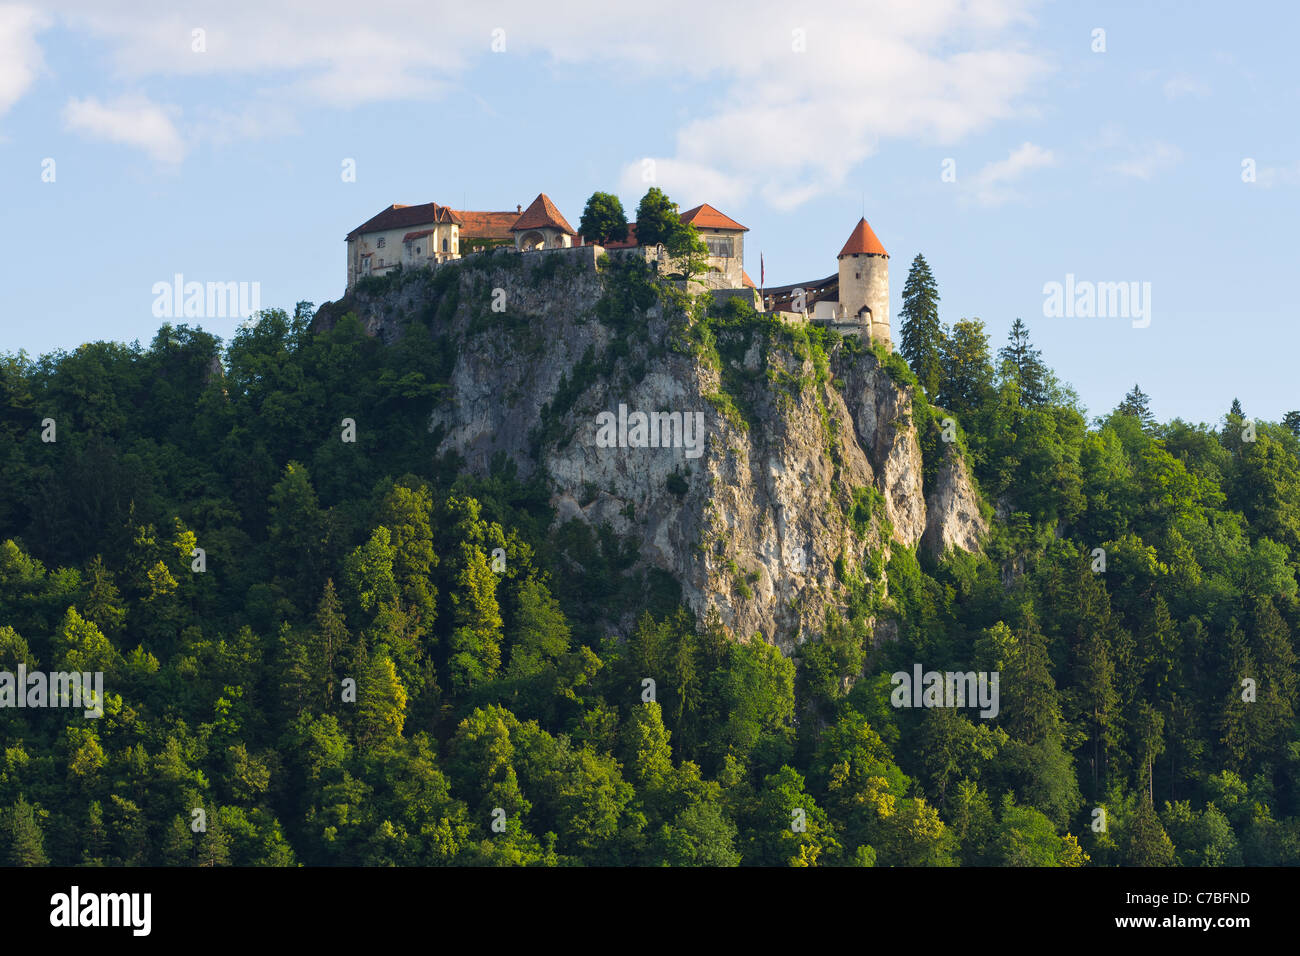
(882, 418)
(955, 521)
(757, 521)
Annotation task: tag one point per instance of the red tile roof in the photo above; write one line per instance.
(625, 243)
(749, 283)
(705, 216)
(542, 214)
(417, 235)
(486, 225)
(863, 242)
(397, 216)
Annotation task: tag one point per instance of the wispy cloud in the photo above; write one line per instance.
(1270, 176)
(992, 185)
(20, 56)
(796, 99)
(691, 182)
(1145, 162)
(133, 121)
(1182, 84)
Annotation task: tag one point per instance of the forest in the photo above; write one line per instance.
(321, 652)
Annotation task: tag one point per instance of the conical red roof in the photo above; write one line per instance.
(863, 242)
(540, 215)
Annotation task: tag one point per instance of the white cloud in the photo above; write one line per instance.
(688, 183)
(991, 186)
(764, 118)
(1146, 161)
(1180, 84)
(20, 57)
(1270, 176)
(134, 121)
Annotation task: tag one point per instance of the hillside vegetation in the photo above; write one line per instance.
(495, 721)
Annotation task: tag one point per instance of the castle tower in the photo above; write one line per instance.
(864, 283)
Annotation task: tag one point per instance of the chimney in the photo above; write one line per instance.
(518, 208)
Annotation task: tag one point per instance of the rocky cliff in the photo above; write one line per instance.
(778, 511)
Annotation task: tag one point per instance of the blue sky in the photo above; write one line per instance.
(224, 164)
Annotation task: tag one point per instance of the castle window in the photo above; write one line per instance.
(380, 243)
(381, 262)
(444, 245)
(417, 250)
(720, 247)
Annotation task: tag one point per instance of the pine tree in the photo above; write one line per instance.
(1158, 650)
(103, 605)
(1096, 676)
(921, 339)
(1023, 365)
(26, 842)
(406, 511)
(1149, 728)
(1031, 708)
(329, 639)
(476, 634)
(95, 843)
(1235, 717)
(178, 843)
(298, 531)
(214, 846)
(1274, 713)
(1291, 420)
(1138, 404)
(1148, 843)
(381, 701)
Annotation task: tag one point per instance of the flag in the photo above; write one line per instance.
(762, 272)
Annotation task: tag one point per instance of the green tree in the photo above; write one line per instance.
(406, 512)
(656, 218)
(381, 701)
(1137, 404)
(966, 379)
(787, 827)
(603, 219)
(1148, 843)
(1029, 839)
(476, 622)
(298, 531)
(103, 605)
(921, 340)
(1100, 702)
(1291, 421)
(540, 633)
(26, 842)
(1022, 365)
(689, 250)
(369, 571)
(701, 835)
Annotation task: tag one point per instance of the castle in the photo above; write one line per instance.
(853, 300)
